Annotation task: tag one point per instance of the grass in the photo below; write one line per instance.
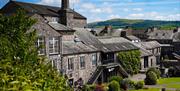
(169, 80)
(150, 89)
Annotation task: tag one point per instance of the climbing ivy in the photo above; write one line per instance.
(130, 60)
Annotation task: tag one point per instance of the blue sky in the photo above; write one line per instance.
(99, 10)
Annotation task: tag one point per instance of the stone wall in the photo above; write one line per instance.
(151, 62)
(44, 30)
(79, 23)
(77, 73)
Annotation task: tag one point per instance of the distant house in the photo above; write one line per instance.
(169, 40)
(155, 48)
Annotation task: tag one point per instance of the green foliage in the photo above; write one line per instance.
(127, 83)
(130, 60)
(151, 78)
(156, 71)
(139, 85)
(114, 86)
(20, 67)
(116, 78)
(89, 87)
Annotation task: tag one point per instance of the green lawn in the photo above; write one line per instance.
(150, 89)
(169, 80)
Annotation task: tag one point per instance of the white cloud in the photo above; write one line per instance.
(137, 9)
(57, 2)
(139, 15)
(154, 16)
(92, 8)
(113, 16)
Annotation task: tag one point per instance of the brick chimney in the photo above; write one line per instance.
(65, 4)
(66, 14)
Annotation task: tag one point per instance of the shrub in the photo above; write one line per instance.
(89, 88)
(127, 83)
(156, 71)
(139, 85)
(151, 78)
(116, 78)
(114, 86)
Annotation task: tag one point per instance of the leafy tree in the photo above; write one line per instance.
(130, 60)
(20, 67)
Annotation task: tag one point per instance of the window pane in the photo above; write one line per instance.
(82, 62)
(94, 59)
(40, 44)
(53, 45)
(70, 64)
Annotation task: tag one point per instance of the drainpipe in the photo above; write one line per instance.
(61, 53)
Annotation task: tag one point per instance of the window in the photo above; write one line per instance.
(151, 62)
(70, 63)
(82, 62)
(40, 45)
(53, 45)
(54, 63)
(146, 62)
(94, 59)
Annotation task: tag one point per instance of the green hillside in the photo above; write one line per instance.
(137, 24)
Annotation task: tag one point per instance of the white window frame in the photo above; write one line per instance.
(39, 44)
(54, 45)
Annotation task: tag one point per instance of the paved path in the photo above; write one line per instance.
(138, 77)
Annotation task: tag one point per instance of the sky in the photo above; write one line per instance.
(100, 10)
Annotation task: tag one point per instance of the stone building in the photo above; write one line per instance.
(64, 15)
(169, 40)
(153, 47)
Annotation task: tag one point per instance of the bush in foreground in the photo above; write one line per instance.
(151, 78)
(116, 78)
(114, 86)
(156, 71)
(139, 85)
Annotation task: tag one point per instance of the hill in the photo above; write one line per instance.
(137, 24)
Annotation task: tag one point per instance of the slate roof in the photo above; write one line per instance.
(176, 37)
(43, 9)
(104, 44)
(113, 32)
(135, 32)
(149, 44)
(116, 44)
(59, 27)
(71, 48)
(145, 52)
(131, 37)
(87, 38)
(161, 34)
